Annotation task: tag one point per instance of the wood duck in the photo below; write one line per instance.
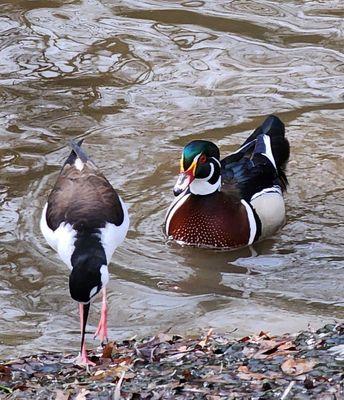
(84, 220)
(234, 201)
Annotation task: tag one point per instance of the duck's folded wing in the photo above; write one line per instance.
(251, 170)
(260, 162)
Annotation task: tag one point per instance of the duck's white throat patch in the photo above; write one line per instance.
(203, 187)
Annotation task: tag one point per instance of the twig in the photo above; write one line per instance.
(288, 389)
(6, 389)
(117, 394)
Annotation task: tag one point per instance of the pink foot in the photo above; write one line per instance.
(102, 331)
(83, 360)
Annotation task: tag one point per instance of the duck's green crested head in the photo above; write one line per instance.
(201, 148)
(200, 168)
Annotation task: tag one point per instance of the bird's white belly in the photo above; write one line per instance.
(61, 239)
(48, 233)
(269, 205)
(111, 236)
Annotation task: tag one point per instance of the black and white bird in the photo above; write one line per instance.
(84, 220)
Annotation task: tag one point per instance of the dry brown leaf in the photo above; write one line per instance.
(107, 350)
(129, 375)
(4, 370)
(264, 335)
(251, 375)
(99, 375)
(247, 375)
(266, 348)
(117, 371)
(164, 337)
(297, 366)
(122, 360)
(287, 346)
(271, 348)
(60, 395)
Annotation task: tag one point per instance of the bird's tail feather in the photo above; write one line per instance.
(274, 128)
(78, 152)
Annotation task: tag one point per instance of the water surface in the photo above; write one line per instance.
(138, 80)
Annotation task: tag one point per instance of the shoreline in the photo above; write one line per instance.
(308, 364)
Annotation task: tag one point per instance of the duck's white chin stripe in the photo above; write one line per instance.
(203, 187)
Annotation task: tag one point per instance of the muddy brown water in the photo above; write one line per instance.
(138, 80)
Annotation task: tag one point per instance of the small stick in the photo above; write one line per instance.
(288, 389)
(117, 394)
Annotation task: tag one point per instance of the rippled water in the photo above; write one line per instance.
(138, 80)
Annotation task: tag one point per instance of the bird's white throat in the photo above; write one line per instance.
(203, 187)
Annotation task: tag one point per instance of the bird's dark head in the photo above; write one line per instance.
(89, 275)
(200, 168)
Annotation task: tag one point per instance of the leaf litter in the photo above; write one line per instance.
(166, 366)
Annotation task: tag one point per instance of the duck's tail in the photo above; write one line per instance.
(269, 139)
(274, 128)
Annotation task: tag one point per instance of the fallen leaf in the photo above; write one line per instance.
(247, 375)
(287, 346)
(164, 337)
(297, 366)
(4, 370)
(251, 375)
(264, 335)
(60, 395)
(187, 374)
(107, 350)
(243, 368)
(117, 371)
(122, 360)
(271, 348)
(82, 394)
(99, 375)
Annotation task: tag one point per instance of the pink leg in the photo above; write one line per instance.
(83, 359)
(102, 326)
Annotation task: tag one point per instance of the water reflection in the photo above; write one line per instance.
(138, 81)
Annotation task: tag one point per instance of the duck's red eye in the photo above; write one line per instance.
(203, 159)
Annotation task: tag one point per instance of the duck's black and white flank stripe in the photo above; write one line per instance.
(84, 220)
